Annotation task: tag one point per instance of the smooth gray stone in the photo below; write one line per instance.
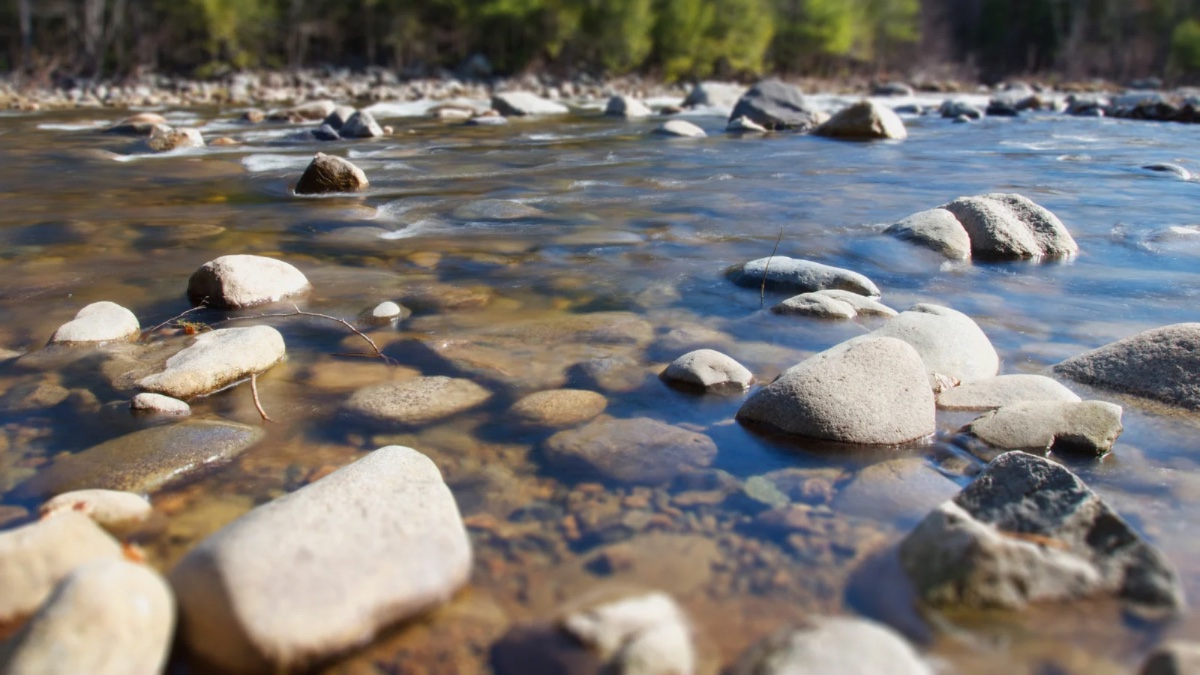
(832, 645)
(215, 360)
(638, 450)
(714, 95)
(801, 276)
(98, 322)
(1051, 235)
(1162, 364)
(1084, 427)
(709, 370)
(994, 392)
(361, 125)
(337, 119)
(950, 343)
(521, 103)
(995, 231)
(935, 229)
(680, 129)
(414, 402)
(863, 305)
(816, 305)
(236, 281)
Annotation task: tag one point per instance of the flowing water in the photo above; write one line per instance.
(518, 231)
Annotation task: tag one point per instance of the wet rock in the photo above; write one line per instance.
(863, 305)
(935, 229)
(899, 489)
(253, 116)
(680, 128)
(486, 121)
(34, 558)
(324, 569)
(714, 95)
(865, 120)
(216, 360)
(1084, 427)
(157, 403)
(867, 391)
(1048, 231)
(312, 111)
(647, 635)
(949, 342)
(558, 408)
(328, 174)
(326, 133)
(1162, 364)
(618, 373)
(98, 322)
(801, 276)
(497, 209)
(146, 460)
(164, 138)
(108, 617)
(775, 106)
(141, 124)
(1009, 226)
(521, 103)
(626, 106)
(439, 297)
(994, 392)
(1173, 169)
(385, 313)
(1173, 658)
(119, 513)
(33, 396)
(639, 450)
(892, 89)
(816, 305)
(829, 645)
(414, 402)
(745, 125)
(337, 119)
(361, 125)
(952, 109)
(709, 370)
(237, 281)
(809, 486)
(1028, 530)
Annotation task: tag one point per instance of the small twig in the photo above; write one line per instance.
(203, 304)
(762, 290)
(258, 403)
(300, 312)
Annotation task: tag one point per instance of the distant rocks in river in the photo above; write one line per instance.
(98, 322)
(714, 95)
(626, 106)
(996, 226)
(337, 119)
(1064, 427)
(361, 124)
(215, 360)
(326, 568)
(330, 174)
(797, 275)
(680, 129)
(522, 103)
(708, 370)
(639, 450)
(865, 120)
(237, 281)
(141, 124)
(1162, 364)
(832, 304)
(775, 105)
(828, 645)
(1028, 530)
(165, 138)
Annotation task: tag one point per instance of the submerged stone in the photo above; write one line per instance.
(639, 450)
(215, 360)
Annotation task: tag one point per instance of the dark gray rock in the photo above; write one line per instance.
(361, 124)
(326, 133)
(801, 276)
(775, 106)
(1084, 427)
(1162, 364)
(639, 450)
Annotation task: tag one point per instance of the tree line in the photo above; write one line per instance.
(673, 39)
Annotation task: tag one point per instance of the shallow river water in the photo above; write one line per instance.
(597, 216)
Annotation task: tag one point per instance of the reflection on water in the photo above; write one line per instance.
(584, 253)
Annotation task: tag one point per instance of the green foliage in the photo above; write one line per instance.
(699, 37)
(1185, 47)
(235, 29)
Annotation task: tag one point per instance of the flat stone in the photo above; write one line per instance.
(899, 489)
(146, 460)
(775, 106)
(710, 370)
(680, 128)
(863, 305)
(558, 408)
(1028, 530)
(626, 106)
(950, 343)
(157, 403)
(312, 111)
(108, 617)
(639, 450)
(119, 513)
(439, 297)
(521, 103)
(324, 569)
(865, 120)
(34, 558)
(329, 174)
(832, 645)
(215, 360)
(236, 281)
(361, 124)
(1162, 364)
(816, 305)
(1084, 427)
(935, 229)
(1175, 657)
(98, 322)
(801, 276)
(1002, 390)
(418, 401)
(867, 391)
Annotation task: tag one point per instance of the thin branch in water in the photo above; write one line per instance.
(203, 305)
(762, 290)
(257, 402)
(300, 312)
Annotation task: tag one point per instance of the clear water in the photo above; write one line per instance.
(628, 223)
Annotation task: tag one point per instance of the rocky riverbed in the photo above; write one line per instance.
(370, 378)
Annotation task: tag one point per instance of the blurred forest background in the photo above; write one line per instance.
(673, 39)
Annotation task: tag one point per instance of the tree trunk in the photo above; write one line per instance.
(25, 18)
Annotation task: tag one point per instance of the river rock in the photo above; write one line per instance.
(360, 125)
(146, 402)
(558, 408)
(337, 119)
(709, 370)
(745, 125)
(386, 312)
(146, 460)
(312, 111)
(956, 109)
(326, 133)
(420, 400)
(165, 138)
(237, 281)
(832, 645)
(216, 360)
(815, 305)
(868, 391)
(1084, 427)
(899, 489)
(1173, 169)
(326, 568)
(1002, 390)
(639, 450)
(34, 558)
(775, 106)
(801, 276)
(521, 103)
(1048, 231)
(935, 229)
(141, 124)
(626, 106)
(863, 305)
(1028, 530)
(98, 322)
(1175, 657)
(681, 129)
(1162, 364)
(646, 634)
(327, 174)
(1009, 226)
(119, 513)
(714, 95)
(949, 342)
(865, 120)
(108, 617)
